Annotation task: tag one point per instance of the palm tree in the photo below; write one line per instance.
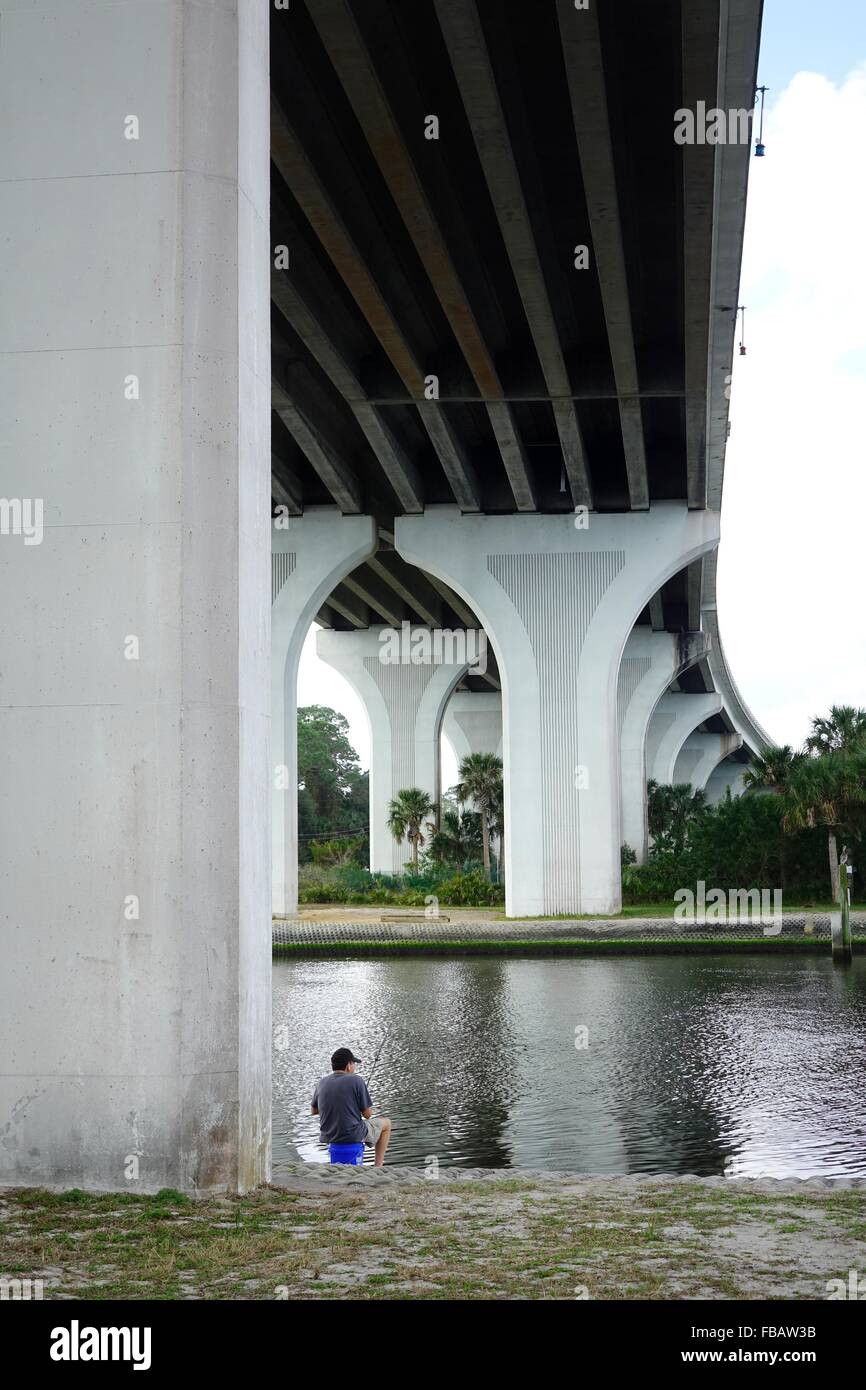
(671, 809)
(458, 838)
(481, 782)
(405, 815)
(772, 772)
(843, 731)
(829, 791)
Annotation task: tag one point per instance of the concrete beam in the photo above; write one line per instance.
(399, 469)
(700, 38)
(348, 53)
(337, 476)
(464, 38)
(581, 48)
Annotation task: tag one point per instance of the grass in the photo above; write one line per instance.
(516, 1237)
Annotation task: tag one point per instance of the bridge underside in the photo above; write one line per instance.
(489, 369)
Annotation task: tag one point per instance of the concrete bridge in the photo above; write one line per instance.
(446, 267)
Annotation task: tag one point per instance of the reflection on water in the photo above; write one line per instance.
(703, 1065)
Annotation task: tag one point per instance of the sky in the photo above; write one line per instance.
(792, 563)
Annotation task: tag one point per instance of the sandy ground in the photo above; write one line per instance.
(465, 1234)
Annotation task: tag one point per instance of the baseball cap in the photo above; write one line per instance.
(342, 1057)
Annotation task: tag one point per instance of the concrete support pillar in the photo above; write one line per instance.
(701, 754)
(727, 774)
(558, 603)
(404, 700)
(650, 662)
(135, 399)
(473, 723)
(675, 718)
(309, 557)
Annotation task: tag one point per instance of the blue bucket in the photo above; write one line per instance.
(347, 1153)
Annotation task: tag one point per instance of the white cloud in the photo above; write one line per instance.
(793, 554)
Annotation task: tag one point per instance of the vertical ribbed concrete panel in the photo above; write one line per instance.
(556, 597)
(282, 567)
(404, 700)
(309, 557)
(631, 672)
(558, 603)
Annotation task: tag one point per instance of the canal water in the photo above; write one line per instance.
(749, 1065)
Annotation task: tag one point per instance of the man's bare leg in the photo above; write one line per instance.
(382, 1143)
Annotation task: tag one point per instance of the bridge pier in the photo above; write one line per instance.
(675, 718)
(701, 754)
(473, 723)
(558, 604)
(309, 557)
(727, 774)
(650, 662)
(135, 395)
(404, 701)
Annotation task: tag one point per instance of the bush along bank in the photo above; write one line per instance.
(349, 883)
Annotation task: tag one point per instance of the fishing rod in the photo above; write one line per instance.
(369, 1077)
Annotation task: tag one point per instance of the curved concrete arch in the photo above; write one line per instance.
(675, 718)
(650, 662)
(735, 706)
(558, 604)
(307, 559)
(701, 754)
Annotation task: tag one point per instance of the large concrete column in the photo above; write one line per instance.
(701, 754)
(311, 554)
(650, 662)
(404, 701)
(473, 723)
(558, 603)
(135, 399)
(728, 774)
(675, 718)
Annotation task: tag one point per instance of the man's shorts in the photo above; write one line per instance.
(374, 1129)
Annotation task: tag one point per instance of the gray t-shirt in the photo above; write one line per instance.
(339, 1098)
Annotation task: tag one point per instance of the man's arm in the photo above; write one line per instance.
(314, 1110)
(368, 1112)
(314, 1103)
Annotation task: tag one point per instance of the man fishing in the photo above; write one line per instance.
(345, 1109)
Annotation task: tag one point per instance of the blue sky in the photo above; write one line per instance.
(826, 36)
